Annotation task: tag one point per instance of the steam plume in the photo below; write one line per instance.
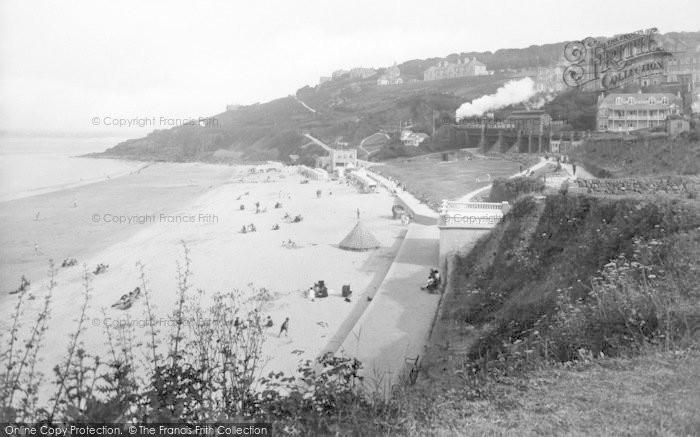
(514, 91)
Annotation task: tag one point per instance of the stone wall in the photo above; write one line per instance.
(674, 185)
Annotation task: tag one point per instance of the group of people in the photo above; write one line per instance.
(69, 262)
(101, 268)
(248, 228)
(255, 321)
(297, 218)
(289, 244)
(283, 329)
(319, 290)
(128, 299)
(433, 282)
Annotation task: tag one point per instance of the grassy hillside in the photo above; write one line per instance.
(345, 109)
(641, 156)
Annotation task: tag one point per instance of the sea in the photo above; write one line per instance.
(38, 165)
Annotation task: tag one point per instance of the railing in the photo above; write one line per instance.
(467, 206)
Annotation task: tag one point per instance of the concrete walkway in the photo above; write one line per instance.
(396, 325)
(421, 212)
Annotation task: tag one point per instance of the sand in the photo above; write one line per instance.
(200, 207)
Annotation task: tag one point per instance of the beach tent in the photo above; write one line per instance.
(359, 239)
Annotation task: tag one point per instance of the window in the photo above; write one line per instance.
(664, 100)
(618, 100)
(630, 100)
(652, 100)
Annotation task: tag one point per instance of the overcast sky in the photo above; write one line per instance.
(63, 63)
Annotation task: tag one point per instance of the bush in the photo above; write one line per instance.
(507, 189)
(590, 274)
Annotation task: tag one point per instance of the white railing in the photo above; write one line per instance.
(467, 206)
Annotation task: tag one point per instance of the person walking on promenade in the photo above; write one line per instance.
(284, 328)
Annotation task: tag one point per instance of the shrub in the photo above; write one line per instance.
(507, 189)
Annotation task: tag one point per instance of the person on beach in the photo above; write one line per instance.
(75, 203)
(269, 323)
(37, 216)
(36, 247)
(358, 213)
(284, 328)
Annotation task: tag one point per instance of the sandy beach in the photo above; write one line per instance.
(200, 205)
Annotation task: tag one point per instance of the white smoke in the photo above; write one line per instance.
(514, 91)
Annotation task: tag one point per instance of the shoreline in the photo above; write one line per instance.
(69, 185)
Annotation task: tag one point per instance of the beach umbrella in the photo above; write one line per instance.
(360, 238)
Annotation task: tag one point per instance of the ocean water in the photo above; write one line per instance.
(30, 166)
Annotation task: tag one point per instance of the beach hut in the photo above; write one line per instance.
(360, 238)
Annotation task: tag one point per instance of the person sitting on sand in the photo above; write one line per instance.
(284, 328)
(269, 323)
(244, 229)
(275, 227)
(286, 216)
(252, 228)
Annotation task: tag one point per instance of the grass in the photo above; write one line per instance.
(653, 394)
(432, 180)
(640, 156)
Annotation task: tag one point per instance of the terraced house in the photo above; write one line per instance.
(447, 70)
(626, 112)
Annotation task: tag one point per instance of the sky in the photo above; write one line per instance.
(64, 65)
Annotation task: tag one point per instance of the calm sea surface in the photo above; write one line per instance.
(30, 166)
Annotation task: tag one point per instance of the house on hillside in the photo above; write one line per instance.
(362, 73)
(684, 68)
(233, 107)
(626, 112)
(413, 139)
(338, 73)
(392, 76)
(463, 68)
